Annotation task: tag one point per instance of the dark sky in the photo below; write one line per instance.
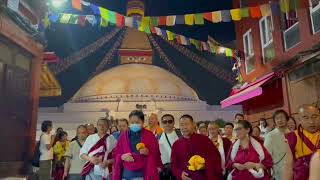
(67, 39)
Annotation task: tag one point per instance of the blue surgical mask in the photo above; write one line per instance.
(135, 127)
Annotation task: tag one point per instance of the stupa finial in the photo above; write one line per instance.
(135, 8)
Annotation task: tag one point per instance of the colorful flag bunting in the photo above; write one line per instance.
(158, 31)
(205, 46)
(65, 18)
(85, 3)
(189, 19)
(275, 9)
(164, 34)
(104, 13)
(244, 12)
(112, 17)
(119, 20)
(171, 20)
(170, 35)
(225, 16)
(54, 17)
(284, 6)
(216, 16)
(103, 22)
(91, 19)
(46, 22)
(128, 21)
(95, 9)
(235, 14)
(136, 23)
(154, 21)
(265, 10)
(294, 4)
(180, 19)
(255, 12)
(208, 16)
(162, 20)
(183, 40)
(82, 20)
(73, 19)
(198, 19)
(153, 30)
(76, 4)
(228, 52)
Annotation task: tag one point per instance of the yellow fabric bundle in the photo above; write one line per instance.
(196, 163)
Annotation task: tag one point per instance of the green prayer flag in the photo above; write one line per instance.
(244, 12)
(154, 21)
(112, 17)
(228, 52)
(198, 18)
(73, 19)
(65, 18)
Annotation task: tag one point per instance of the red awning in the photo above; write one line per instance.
(249, 91)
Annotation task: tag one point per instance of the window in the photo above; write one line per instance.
(266, 28)
(304, 71)
(315, 15)
(291, 33)
(248, 51)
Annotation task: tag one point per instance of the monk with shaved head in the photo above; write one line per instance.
(303, 143)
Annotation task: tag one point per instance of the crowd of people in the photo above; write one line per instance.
(280, 149)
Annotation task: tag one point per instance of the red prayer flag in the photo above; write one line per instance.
(82, 20)
(208, 16)
(119, 20)
(153, 30)
(255, 12)
(76, 4)
(162, 20)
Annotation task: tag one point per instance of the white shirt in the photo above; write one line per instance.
(164, 146)
(46, 154)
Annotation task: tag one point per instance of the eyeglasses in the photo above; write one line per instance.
(168, 121)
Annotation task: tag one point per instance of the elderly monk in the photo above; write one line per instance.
(303, 143)
(194, 144)
(153, 125)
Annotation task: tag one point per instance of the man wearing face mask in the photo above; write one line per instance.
(137, 154)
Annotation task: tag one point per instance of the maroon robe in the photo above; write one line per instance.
(226, 146)
(183, 149)
(248, 155)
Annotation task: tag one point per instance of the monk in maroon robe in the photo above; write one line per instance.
(302, 144)
(194, 144)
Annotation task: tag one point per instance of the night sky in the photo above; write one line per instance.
(67, 39)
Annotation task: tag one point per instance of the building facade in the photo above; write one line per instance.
(281, 60)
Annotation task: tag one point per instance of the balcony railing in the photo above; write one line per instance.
(291, 36)
(315, 19)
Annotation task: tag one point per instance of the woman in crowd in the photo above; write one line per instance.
(113, 129)
(59, 149)
(137, 154)
(247, 158)
(292, 125)
(256, 133)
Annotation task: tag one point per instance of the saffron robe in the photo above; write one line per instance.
(248, 155)
(148, 164)
(303, 145)
(183, 149)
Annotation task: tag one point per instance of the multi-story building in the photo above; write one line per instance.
(281, 64)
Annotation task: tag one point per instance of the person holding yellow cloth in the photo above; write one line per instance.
(59, 150)
(153, 125)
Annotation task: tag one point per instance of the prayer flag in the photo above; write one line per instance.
(154, 21)
(180, 19)
(255, 12)
(76, 4)
(164, 34)
(228, 52)
(171, 20)
(275, 9)
(46, 22)
(208, 16)
(85, 3)
(54, 17)
(158, 31)
(65, 18)
(235, 14)
(294, 5)
(95, 9)
(145, 25)
(82, 20)
(112, 17)
(104, 13)
(103, 22)
(162, 20)
(73, 19)
(170, 35)
(284, 6)
(178, 39)
(244, 12)
(225, 16)
(119, 20)
(153, 30)
(183, 40)
(136, 23)
(265, 10)
(216, 16)
(91, 19)
(189, 19)
(128, 21)
(205, 46)
(198, 18)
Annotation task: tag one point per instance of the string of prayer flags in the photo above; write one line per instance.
(128, 21)
(255, 12)
(164, 33)
(198, 19)
(205, 46)
(294, 4)
(216, 17)
(104, 13)
(73, 19)
(171, 20)
(244, 12)
(154, 21)
(235, 14)
(284, 6)
(119, 20)
(162, 20)
(189, 19)
(103, 22)
(228, 52)
(180, 19)
(170, 35)
(91, 19)
(136, 23)
(54, 17)
(158, 31)
(275, 9)
(208, 16)
(82, 20)
(112, 17)
(95, 9)
(65, 18)
(76, 4)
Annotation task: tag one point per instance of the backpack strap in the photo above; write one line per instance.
(78, 142)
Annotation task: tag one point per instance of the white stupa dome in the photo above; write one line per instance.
(132, 82)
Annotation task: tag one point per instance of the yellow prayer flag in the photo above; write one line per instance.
(65, 18)
(216, 16)
(265, 10)
(103, 22)
(170, 35)
(171, 20)
(189, 19)
(104, 13)
(284, 6)
(235, 14)
(46, 21)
